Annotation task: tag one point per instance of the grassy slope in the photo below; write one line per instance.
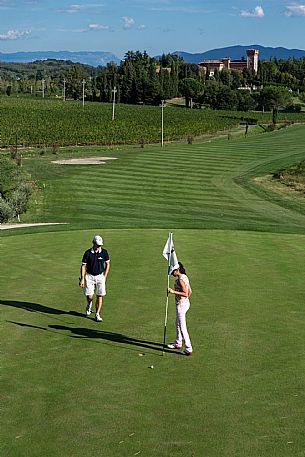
(200, 186)
(70, 387)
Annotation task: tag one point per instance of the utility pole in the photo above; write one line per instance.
(90, 79)
(64, 91)
(162, 123)
(114, 91)
(42, 87)
(84, 82)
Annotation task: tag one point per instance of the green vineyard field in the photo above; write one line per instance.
(37, 122)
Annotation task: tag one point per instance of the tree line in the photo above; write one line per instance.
(141, 79)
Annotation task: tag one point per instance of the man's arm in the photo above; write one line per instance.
(107, 268)
(83, 269)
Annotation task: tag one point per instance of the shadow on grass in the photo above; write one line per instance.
(38, 308)
(87, 333)
(109, 336)
(28, 325)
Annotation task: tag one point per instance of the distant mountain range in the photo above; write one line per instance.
(237, 52)
(94, 58)
(101, 58)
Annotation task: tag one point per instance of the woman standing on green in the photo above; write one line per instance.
(182, 291)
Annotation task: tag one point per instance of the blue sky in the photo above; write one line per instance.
(153, 25)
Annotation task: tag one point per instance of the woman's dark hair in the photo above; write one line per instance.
(181, 268)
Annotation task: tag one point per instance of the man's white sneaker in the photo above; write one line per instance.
(88, 310)
(173, 346)
(98, 318)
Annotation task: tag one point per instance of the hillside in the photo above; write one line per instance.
(101, 58)
(94, 59)
(237, 52)
(44, 68)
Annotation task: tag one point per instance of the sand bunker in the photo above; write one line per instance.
(85, 161)
(12, 226)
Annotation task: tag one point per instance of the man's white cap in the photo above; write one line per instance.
(98, 240)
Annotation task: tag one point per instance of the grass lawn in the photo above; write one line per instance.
(204, 185)
(72, 387)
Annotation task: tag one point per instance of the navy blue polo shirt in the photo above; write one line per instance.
(95, 261)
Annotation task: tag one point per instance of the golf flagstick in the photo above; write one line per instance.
(169, 254)
(166, 306)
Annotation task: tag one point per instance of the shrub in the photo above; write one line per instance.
(18, 201)
(293, 108)
(271, 128)
(6, 212)
(15, 189)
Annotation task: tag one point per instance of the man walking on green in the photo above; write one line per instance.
(93, 274)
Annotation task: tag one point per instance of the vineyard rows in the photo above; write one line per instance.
(35, 122)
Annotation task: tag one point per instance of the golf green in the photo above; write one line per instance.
(74, 387)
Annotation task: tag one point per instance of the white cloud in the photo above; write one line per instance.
(91, 27)
(72, 9)
(257, 12)
(14, 35)
(128, 22)
(141, 27)
(73, 30)
(180, 9)
(98, 27)
(295, 10)
(77, 8)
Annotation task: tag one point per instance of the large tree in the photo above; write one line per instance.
(190, 88)
(274, 98)
(74, 77)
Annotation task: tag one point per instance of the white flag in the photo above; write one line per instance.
(170, 254)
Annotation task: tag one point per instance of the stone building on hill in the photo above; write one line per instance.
(210, 66)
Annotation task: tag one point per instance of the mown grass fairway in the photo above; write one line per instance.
(72, 387)
(181, 186)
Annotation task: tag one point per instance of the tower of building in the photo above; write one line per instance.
(252, 60)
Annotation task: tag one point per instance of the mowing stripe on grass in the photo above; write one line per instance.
(214, 181)
(72, 387)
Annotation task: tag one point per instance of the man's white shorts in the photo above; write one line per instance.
(95, 283)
